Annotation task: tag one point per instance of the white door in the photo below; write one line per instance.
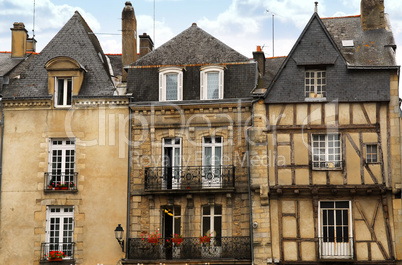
(336, 235)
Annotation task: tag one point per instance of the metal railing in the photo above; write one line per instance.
(336, 248)
(190, 248)
(46, 250)
(61, 181)
(189, 178)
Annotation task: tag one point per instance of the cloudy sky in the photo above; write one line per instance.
(241, 24)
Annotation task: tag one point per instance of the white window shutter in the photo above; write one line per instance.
(202, 75)
(180, 86)
(221, 84)
(161, 98)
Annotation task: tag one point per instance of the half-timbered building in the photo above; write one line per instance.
(331, 135)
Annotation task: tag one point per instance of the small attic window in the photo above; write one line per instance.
(170, 84)
(211, 82)
(65, 77)
(348, 43)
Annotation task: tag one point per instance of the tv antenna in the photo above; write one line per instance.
(33, 21)
(273, 32)
(154, 22)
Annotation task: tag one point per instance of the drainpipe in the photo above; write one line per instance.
(128, 181)
(249, 182)
(2, 141)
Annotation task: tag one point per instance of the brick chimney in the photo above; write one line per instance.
(129, 37)
(19, 37)
(372, 14)
(259, 56)
(146, 44)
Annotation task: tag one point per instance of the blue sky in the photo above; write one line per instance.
(241, 24)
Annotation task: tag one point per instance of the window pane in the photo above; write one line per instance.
(171, 86)
(206, 210)
(342, 204)
(212, 85)
(206, 225)
(60, 91)
(69, 91)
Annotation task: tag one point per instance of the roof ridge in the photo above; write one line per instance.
(351, 16)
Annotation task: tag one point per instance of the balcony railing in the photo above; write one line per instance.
(237, 248)
(189, 178)
(66, 248)
(61, 181)
(336, 248)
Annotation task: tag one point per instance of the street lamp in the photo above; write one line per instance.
(118, 233)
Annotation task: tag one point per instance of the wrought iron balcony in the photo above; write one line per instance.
(336, 247)
(47, 249)
(191, 248)
(61, 181)
(189, 178)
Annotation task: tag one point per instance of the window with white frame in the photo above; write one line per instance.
(212, 147)
(315, 83)
(212, 223)
(61, 162)
(371, 153)
(170, 84)
(63, 92)
(326, 151)
(212, 162)
(211, 83)
(171, 161)
(335, 229)
(59, 230)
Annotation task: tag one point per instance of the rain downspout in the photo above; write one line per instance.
(249, 183)
(1, 144)
(128, 182)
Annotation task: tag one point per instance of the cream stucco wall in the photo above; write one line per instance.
(102, 165)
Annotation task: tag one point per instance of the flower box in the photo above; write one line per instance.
(153, 240)
(205, 239)
(56, 259)
(177, 240)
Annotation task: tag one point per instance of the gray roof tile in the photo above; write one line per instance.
(371, 47)
(75, 40)
(192, 46)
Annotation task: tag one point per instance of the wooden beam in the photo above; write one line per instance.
(365, 113)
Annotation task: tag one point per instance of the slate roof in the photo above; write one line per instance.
(116, 63)
(75, 40)
(371, 47)
(7, 63)
(192, 46)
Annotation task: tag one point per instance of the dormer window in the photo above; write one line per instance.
(170, 84)
(211, 82)
(65, 77)
(63, 92)
(315, 83)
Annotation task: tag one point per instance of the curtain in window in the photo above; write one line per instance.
(213, 85)
(171, 87)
